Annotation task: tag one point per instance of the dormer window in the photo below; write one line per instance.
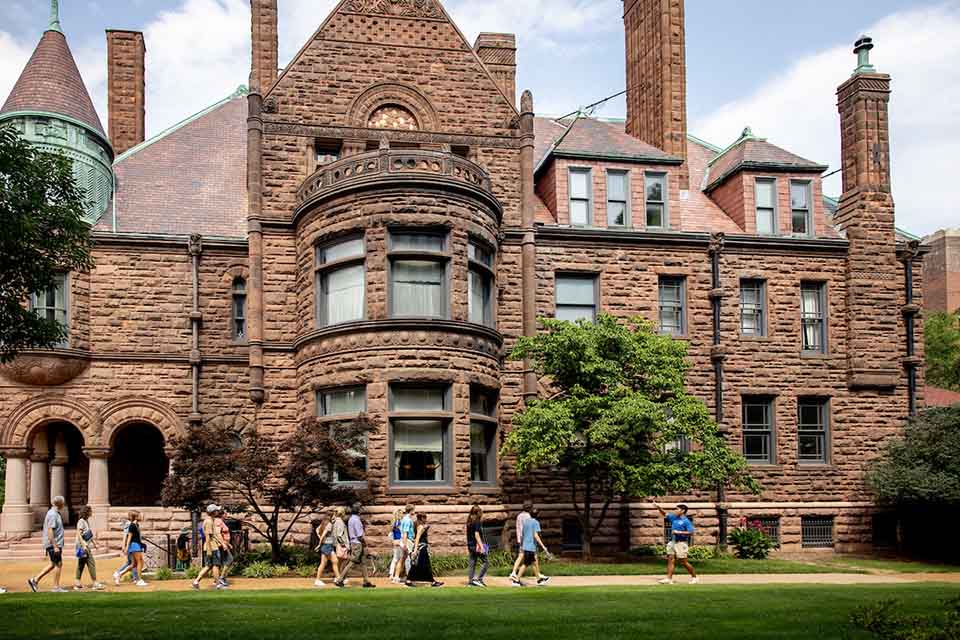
(580, 201)
(801, 218)
(618, 204)
(656, 198)
(766, 206)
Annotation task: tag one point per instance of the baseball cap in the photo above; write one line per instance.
(213, 508)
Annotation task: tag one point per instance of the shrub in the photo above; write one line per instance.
(882, 621)
(697, 552)
(192, 572)
(163, 573)
(262, 569)
(306, 571)
(702, 552)
(751, 543)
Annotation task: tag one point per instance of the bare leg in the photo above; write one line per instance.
(518, 563)
(670, 566)
(323, 565)
(46, 570)
(689, 568)
(336, 566)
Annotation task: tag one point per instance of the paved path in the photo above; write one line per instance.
(13, 576)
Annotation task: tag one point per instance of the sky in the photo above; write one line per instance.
(771, 64)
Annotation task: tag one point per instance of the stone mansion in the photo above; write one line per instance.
(370, 230)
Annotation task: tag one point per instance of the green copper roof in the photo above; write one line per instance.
(54, 16)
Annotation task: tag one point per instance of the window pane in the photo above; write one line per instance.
(483, 402)
(341, 250)
(482, 450)
(756, 415)
(810, 416)
(766, 225)
(418, 450)
(617, 187)
(765, 194)
(799, 223)
(756, 446)
(418, 399)
(416, 242)
(810, 447)
(342, 295)
(579, 212)
(418, 288)
(572, 313)
(479, 296)
(616, 214)
(480, 254)
(655, 188)
(573, 290)
(579, 181)
(811, 299)
(671, 305)
(654, 216)
(799, 196)
(342, 402)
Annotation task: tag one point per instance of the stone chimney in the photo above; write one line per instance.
(263, 28)
(657, 76)
(499, 52)
(866, 216)
(126, 89)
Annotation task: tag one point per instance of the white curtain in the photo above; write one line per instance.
(424, 437)
(479, 295)
(418, 288)
(343, 290)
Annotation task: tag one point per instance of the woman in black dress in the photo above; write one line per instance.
(421, 571)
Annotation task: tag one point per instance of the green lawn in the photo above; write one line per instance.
(885, 565)
(704, 611)
(654, 566)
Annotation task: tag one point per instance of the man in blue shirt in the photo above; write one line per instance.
(530, 541)
(681, 530)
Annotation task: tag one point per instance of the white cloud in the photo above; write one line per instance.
(14, 55)
(797, 110)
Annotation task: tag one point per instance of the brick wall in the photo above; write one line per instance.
(126, 93)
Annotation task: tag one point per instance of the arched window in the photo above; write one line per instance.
(239, 319)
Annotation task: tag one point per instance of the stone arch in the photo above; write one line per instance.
(125, 411)
(234, 421)
(393, 93)
(233, 272)
(45, 409)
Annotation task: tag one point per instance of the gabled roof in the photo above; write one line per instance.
(191, 178)
(591, 138)
(51, 83)
(936, 397)
(753, 153)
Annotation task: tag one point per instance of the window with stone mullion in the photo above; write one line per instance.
(420, 440)
(758, 431)
(52, 303)
(753, 320)
(483, 436)
(480, 285)
(813, 317)
(418, 275)
(341, 282)
(812, 426)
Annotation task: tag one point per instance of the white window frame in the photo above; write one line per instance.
(592, 277)
(62, 281)
(588, 171)
(760, 309)
(808, 187)
(323, 269)
(667, 279)
(665, 222)
(775, 227)
(627, 214)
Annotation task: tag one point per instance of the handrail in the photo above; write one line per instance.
(387, 162)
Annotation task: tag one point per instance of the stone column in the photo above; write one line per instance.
(98, 491)
(58, 475)
(17, 516)
(39, 477)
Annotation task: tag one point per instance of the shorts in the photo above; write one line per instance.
(529, 557)
(212, 559)
(56, 556)
(678, 549)
(134, 548)
(356, 552)
(326, 549)
(226, 557)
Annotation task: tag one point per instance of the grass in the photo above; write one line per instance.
(703, 612)
(654, 566)
(885, 565)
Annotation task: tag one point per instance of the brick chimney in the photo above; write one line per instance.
(126, 54)
(657, 76)
(866, 216)
(263, 28)
(499, 52)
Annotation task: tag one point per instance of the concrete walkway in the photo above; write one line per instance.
(13, 576)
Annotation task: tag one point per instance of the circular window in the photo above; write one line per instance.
(393, 116)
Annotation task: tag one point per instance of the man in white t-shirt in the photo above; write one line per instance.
(522, 518)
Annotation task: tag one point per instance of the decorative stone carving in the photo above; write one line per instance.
(393, 116)
(375, 101)
(270, 105)
(45, 369)
(195, 245)
(405, 8)
(716, 242)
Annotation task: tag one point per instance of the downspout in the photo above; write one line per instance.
(255, 238)
(910, 312)
(529, 248)
(717, 355)
(195, 248)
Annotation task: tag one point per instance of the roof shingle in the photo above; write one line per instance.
(752, 152)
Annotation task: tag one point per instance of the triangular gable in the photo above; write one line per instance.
(412, 45)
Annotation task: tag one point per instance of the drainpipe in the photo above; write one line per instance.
(717, 355)
(195, 248)
(255, 239)
(910, 312)
(529, 249)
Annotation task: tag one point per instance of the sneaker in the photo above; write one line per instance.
(221, 586)
(409, 584)
(141, 583)
(2, 590)
(665, 581)
(515, 582)
(474, 583)
(33, 584)
(542, 580)
(513, 576)
(694, 580)
(116, 579)
(78, 587)
(369, 585)
(339, 585)
(195, 586)
(482, 583)
(319, 583)
(97, 586)
(59, 590)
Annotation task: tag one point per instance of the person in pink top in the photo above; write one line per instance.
(522, 517)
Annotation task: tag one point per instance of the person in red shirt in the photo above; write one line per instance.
(227, 551)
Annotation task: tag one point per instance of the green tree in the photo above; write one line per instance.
(44, 234)
(618, 410)
(921, 468)
(941, 332)
(277, 481)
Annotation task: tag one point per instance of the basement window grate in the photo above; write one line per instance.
(817, 532)
(770, 525)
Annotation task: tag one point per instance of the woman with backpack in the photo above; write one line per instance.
(85, 546)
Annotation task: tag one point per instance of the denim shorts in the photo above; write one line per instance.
(326, 549)
(212, 559)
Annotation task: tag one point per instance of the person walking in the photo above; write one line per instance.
(341, 538)
(477, 548)
(226, 552)
(327, 549)
(396, 539)
(85, 545)
(212, 545)
(408, 531)
(128, 563)
(134, 546)
(358, 549)
(522, 518)
(681, 530)
(421, 570)
(52, 546)
(529, 546)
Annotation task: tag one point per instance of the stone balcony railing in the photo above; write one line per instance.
(390, 165)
